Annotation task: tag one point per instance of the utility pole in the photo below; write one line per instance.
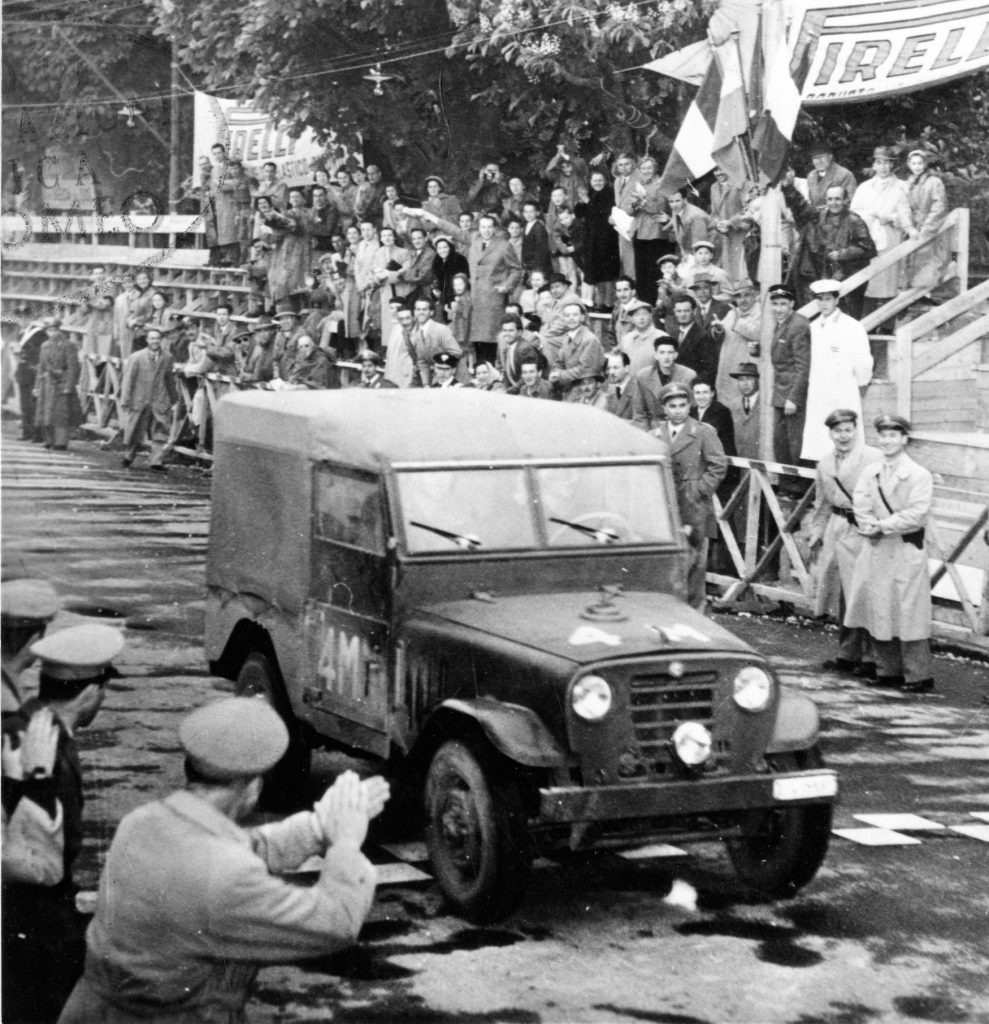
(174, 171)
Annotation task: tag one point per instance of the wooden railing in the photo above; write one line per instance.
(778, 567)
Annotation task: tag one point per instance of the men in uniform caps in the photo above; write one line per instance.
(444, 369)
(790, 354)
(26, 607)
(699, 465)
(191, 905)
(890, 592)
(840, 365)
(834, 540)
(43, 947)
(372, 374)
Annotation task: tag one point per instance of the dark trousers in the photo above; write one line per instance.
(647, 251)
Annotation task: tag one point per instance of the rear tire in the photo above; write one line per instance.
(286, 786)
(476, 831)
(784, 846)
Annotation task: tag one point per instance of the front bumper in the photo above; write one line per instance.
(566, 805)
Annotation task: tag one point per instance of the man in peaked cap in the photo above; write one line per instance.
(26, 607)
(699, 465)
(890, 591)
(189, 947)
(43, 934)
(790, 354)
(444, 367)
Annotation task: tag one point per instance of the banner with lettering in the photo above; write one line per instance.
(254, 137)
(860, 50)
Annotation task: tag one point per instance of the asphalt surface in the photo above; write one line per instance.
(884, 933)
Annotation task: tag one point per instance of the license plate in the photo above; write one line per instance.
(805, 787)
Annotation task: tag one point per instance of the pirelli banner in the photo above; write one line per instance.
(863, 49)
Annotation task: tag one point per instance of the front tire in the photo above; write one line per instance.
(783, 846)
(286, 786)
(476, 831)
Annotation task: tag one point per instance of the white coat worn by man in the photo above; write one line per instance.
(190, 905)
(834, 539)
(840, 365)
(890, 592)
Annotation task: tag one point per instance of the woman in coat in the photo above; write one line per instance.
(599, 258)
(650, 230)
(446, 264)
(161, 317)
(291, 260)
(389, 260)
(929, 207)
(438, 201)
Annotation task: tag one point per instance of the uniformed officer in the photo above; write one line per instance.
(26, 607)
(699, 465)
(834, 540)
(444, 368)
(890, 591)
(187, 947)
(43, 944)
(790, 356)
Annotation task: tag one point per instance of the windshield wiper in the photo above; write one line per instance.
(462, 540)
(602, 534)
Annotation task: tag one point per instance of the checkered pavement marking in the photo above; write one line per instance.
(892, 829)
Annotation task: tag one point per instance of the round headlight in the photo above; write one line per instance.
(753, 688)
(591, 698)
(692, 742)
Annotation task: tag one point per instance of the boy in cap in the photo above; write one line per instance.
(372, 374)
(834, 540)
(188, 947)
(890, 592)
(43, 946)
(699, 465)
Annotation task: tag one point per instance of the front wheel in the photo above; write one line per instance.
(286, 786)
(783, 846)
(476, 831)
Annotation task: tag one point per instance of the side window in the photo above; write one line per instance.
(349, 510)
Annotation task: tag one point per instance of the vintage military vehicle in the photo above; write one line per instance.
(486, 594)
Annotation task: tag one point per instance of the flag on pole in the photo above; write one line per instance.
(731, 127)
(785, 80)
(691, 156)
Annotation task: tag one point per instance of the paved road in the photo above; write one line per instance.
(884, 933)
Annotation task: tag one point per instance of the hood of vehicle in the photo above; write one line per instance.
(584, 627)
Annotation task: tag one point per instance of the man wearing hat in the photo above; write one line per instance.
(890, 591)
(883, 202)
(742, 331)
(790, 354)
(826, 174)
(639, 344)
(444, 369)
(710, 311)
(259, 368)
(834, 540)
(840, 367)
(580, 353)
(26, 608)
(372, 372)
(43, 947)
(191, 905)
(928, 207)
(744, 409)
(699, 465)
(834, 243)
(551, 310)
(148, 395)
(57, 409)
(286, 338)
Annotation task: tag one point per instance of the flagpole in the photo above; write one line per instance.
(771, 237)
(746, 141)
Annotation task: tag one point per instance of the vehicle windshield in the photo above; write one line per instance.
(515, 508)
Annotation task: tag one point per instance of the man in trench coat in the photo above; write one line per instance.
(890, 592)
(57, 409)
(699, 465)
(148, 393)
(495, 272)
(834, 540)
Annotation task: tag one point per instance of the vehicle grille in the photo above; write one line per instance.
(659, 703)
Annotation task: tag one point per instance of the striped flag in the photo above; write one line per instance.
(691, 156)
(786, 76)
(731, 127)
